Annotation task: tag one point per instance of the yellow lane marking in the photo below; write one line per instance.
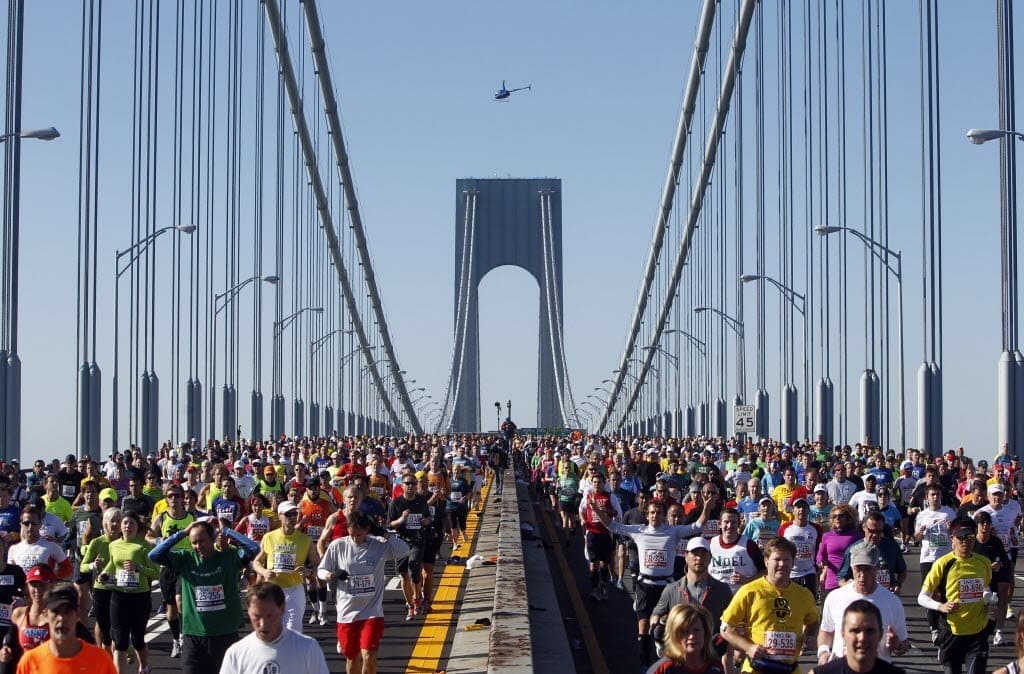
(582, 617)
(430, 644)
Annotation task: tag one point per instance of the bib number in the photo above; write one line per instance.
(284, 562)
(210, 598)
(314, 532)
(970, 590)
(803, 551)
(127, 579)
(68, 490)
(414, 521)
(5, 615)
(780, 645)
(360, 584)
(655, 559)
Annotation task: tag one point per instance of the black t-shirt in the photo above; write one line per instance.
(840, 667)
(417, 506)
(70, 482)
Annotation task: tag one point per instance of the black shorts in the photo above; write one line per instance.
(457, 518)
(430, 549)
(169, 585)
(569, 507)
(83, 578)
(412, 561)
(600, 548)
(647, 596)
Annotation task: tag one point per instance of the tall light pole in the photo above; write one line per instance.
(229, 396)
(277, 413)
(314, 346)
(689, 414)
(883, 254)
(133, 252)
(1010, 402)
(741, 371)
(799, 302)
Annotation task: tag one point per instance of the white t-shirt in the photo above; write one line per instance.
(936, 535)
(888, 604)
(1003, 520)
(362, 595)
(292, 652)
(805, 539)
(862, 501)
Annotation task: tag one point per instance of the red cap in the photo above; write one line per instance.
(40, 573)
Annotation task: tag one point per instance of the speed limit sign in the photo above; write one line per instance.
(742, 419)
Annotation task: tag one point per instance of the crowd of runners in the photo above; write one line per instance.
(253, 538)
(738, 556)
(741, 556)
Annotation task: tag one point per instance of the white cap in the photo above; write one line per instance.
(286, 507)
(698, 543)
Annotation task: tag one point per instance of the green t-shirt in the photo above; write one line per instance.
(210, 602)
(135, 551)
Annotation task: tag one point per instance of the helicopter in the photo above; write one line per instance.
(504, 93)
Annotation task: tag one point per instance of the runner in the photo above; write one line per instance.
(409, 515)
(209, 590)
(356, 564)
(285, 559)
(165, 525)
(64, 650)
(270, 647)
(315, 509)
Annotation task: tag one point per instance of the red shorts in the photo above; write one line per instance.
(361, 635)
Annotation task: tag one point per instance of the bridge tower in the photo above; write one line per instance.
(515, 222)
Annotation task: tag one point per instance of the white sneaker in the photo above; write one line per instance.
(997, 640)
(175, 648)
(321, 619)
(1009, 613)
(935, 636)
(312, 618)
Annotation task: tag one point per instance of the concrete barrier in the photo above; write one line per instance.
(509, 651)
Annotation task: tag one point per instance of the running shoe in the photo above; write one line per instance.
(175, 648)
(410, 613)
(935, 636)
(997, 640)
(619, 585)
(321, 619)
(312, 618)
(1009, 613)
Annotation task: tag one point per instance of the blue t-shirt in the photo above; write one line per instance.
(10, 519)
(882, 475)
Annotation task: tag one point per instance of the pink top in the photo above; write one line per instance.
(830, 553)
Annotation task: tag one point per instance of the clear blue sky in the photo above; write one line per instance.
(414, 82)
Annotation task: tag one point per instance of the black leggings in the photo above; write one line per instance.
(129, 614)
(101, 602)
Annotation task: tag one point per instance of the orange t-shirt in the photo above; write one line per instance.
(41, 660)
(314, 516)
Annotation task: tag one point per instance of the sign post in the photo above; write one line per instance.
(742, 419)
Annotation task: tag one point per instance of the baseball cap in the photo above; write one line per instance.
(906, 464)
(983, 464)
(820, 488)
(698, 543)
(269, 470)
(864, 555)
(40, 573)
(108, 494)
(995, 488)
(64, 596)
(803, 501)
(871, 476)
(765, 500)
(239, 464)
(286, 507)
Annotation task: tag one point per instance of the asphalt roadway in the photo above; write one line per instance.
(603, 637)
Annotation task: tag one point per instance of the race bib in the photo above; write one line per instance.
(379, 491)
(6, 580)
(361, 584)
(884, 578)
(82, 526)
(780, 645)
(414, 521)
(939, 540)
(456, 497)
(127, 579)
(711, 528)
(209, 598)
(804, 550)
(1005, 538)
(284, 562)
(970, 590)
(5, 615)
(655, 559)
(67, 491)
(314, 532)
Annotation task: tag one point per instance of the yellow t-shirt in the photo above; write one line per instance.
(782, 495)
(774, 618)
(966, 582)
(285, 554)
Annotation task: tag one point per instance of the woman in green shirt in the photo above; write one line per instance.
(132, 574)
(94, 558)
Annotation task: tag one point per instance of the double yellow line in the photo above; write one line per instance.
(430, 644)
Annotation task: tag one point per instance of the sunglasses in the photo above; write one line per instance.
(964, 537)
(409, 484)
(27, 523)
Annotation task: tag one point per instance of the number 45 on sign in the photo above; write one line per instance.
(742, 419)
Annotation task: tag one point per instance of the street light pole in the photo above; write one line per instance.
(228, 394)
(737, 327)
(135, 251)
(278, 332)
(883, 253)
